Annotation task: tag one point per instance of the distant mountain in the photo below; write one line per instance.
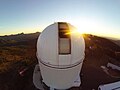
(18, 39)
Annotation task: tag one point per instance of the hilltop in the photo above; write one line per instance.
(18, 59)
(18, 39)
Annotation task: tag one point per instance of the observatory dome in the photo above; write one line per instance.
(58, 47)
(60, 54)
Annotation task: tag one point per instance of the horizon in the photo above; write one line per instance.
(101, 18)
(110, 38)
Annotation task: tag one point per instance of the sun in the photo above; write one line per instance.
(86, 25)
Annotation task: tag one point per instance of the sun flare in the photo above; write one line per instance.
(86, 25)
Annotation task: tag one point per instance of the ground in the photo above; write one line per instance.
(19, 76)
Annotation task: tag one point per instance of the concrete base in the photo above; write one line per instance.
(37, 78)
(77, 82)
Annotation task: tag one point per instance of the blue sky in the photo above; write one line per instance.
(101, 17)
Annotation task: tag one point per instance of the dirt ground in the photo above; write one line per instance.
(91, 75)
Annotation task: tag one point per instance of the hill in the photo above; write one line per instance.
(19, 39)
(18, 59)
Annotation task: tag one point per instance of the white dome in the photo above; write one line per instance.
(60, 54)
(57, 47)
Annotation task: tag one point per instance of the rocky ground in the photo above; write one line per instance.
(92, 75)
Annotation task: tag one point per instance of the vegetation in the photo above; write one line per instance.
(17, 48)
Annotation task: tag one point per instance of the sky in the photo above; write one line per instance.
(99, 17)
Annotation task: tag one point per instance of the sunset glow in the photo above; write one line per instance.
(98, 17)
